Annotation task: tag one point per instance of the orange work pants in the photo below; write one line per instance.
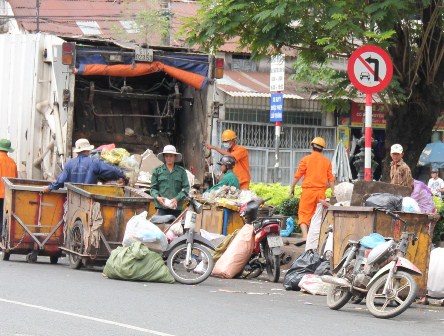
(307, 205)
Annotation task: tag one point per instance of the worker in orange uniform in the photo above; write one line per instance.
(8, 168)
(317, 172)
(240, 154)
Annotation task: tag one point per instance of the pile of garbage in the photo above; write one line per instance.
(229, 196)
(420, 201)
(137, 168)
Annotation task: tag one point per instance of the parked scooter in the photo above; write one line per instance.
(267, 242)
(382, 275)
(188, 257)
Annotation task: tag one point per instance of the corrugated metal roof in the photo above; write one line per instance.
(60, 17)
(253, 84)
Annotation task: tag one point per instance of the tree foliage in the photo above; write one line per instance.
(410, 30)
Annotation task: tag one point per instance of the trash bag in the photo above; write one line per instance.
(236, 255)
(314, 285)
(289, 227)
(114, 156)
(306, 263)
(410, 205)
(323, 268)
(385, 201)
(130, 166)
(137, 263)
(344, 191)
(141, 229)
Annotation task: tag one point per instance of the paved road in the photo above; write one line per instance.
(43, 299)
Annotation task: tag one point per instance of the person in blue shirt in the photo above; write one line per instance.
(85, 169)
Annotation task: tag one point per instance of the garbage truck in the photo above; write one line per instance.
(55, 90)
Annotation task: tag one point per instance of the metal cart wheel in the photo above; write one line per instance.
(75, 243)
(31, 257)
(5, 256)
(4, 239)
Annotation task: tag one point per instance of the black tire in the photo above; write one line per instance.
(388, 306)
(187, 274)
(31, 257)
(272, 264)
(5, 256)
(53, 260)
(75, 243)
(337, 297)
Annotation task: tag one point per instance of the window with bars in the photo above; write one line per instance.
(252, 109)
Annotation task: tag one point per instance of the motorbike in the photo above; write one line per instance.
(188, 257)
(381, 274)
(267, 242)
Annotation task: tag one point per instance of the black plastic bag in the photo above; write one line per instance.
(385, 201)
(306, 263)
(323, 268)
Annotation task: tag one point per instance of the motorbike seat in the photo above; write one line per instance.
(259, 224)
(165, 219)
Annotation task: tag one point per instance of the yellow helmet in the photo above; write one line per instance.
(318, 141)
(228, 135)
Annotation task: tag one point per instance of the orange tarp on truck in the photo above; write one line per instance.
(139, 69)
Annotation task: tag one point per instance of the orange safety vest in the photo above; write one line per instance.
(242, 167)
(8, 168)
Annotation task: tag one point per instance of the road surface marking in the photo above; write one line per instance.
(123, 325)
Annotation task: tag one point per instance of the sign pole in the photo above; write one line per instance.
(370, 70)
(368, 138)
(277, 82)
(277, 141)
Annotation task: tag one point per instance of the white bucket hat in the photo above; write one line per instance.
(82, 145)
(170, 149)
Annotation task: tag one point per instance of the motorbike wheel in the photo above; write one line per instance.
(198, 270)
(272, 264)
(400, 296)
(75, 243)
(338, 296)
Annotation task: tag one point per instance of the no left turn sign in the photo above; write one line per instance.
(370, 69)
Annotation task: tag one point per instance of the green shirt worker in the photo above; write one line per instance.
(168, 183)
(226, 163)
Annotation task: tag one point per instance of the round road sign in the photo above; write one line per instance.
(370, 69)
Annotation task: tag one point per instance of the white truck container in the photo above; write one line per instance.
(46, 105)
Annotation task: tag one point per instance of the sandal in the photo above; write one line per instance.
(423, 301)
(301, 242)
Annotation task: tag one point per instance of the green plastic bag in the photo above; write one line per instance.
(137, 263)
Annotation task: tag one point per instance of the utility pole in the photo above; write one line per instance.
(37, 8)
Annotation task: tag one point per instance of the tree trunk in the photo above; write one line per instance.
(411, 124)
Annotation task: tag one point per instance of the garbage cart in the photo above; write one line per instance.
(354, 222)
(32, 220)
(96, 220)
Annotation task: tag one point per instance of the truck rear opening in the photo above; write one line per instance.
(137, 112)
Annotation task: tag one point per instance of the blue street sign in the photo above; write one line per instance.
(276, 106)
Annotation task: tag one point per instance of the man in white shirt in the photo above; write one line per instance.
(436, 184)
